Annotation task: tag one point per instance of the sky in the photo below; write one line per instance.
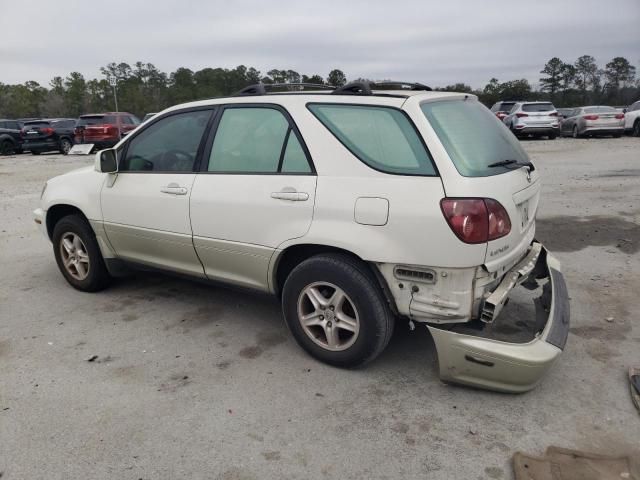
(432, 42)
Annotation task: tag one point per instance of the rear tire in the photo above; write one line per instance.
(65, 146)
(336, 310)
(617, 135)
(78, 255)
(6, 147)
(574, 132)
(35, 152)
(636, 129)
(552, 136)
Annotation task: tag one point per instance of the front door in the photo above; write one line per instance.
(255, 191)
(145, 205)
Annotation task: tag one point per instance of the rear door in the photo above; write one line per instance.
(474, 139)
(146, 205)
(255, 190)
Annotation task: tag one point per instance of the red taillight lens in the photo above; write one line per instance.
(591, 117)
(553, 114)
(476, 220)
(620, 116)
(501, 115)
(520, 115)
(47, 131)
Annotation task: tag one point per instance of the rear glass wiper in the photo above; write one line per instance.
(514, 163)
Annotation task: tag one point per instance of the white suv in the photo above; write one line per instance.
(357, 206)
(533, 118)
(632, 119)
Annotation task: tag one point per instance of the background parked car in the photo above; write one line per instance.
(533, 118)
(502, 109)
(48, 134)
(632, 119)
(10, 138)
(104, 129)
(564, 113)
(593, 120)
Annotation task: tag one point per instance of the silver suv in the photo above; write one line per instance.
(533, 118)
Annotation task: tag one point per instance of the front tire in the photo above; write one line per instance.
(636, 129)
(78, 255)
(336, 310)
(574, 132)
(6, 147)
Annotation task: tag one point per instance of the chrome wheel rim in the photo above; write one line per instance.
(75, 257)
(66, 146)
(328, 316)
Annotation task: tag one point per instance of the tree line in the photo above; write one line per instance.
(143, 88)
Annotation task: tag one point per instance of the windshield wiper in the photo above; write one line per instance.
(514, 163)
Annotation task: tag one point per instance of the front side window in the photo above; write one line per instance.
(381, 137)
(472, 136)
(256, 140)
(169, 145)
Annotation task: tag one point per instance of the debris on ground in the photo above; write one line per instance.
(93, 358)
(563, 464)
(609, 319)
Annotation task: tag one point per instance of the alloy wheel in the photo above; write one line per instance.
(328, 316)
(66, 146)
(75, 257)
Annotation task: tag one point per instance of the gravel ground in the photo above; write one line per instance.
(193, 381)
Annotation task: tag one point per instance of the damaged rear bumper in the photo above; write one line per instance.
(503, 366)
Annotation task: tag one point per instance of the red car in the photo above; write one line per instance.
(104, 129)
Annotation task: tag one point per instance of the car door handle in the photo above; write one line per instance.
(291, 196)
(174, 189)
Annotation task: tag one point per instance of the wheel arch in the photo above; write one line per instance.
(57, 212)
(293, 255)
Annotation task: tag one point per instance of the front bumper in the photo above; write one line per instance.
(503, 366)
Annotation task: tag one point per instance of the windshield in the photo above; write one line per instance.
(537, 107)
(473, 137)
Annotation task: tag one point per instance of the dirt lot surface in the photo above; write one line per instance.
(198, 382)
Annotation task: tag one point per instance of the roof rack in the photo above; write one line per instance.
(261, 88)
(365, 87)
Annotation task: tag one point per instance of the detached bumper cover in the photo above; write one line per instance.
(503, 366)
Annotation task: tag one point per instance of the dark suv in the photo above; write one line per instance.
(104, 130)
(10, 138)
(48, 135)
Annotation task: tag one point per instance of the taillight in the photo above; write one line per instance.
(47, 131)
(591, 117)
(553, 114)
(520, 115)
(501, 115)
(620, 116)
(476, 220)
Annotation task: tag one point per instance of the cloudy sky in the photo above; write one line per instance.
(434, 42)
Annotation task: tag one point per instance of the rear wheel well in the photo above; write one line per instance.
(58, 212)
(296, 254)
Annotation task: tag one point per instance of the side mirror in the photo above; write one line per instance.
(106, 161)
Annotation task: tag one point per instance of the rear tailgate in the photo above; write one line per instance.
(468, 139)
(37, 131)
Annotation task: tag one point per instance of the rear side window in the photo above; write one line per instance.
(381, 137)
(537, 107)
(472, 136)
(255, 140)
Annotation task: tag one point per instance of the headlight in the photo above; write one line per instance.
(43, 189)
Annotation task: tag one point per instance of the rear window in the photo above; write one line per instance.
(506, 106)
(600, 110)
(472, 136)
(36, 124)
(381, 137)
(537, 107)
(96, 120)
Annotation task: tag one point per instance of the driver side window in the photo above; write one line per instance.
(169, 145)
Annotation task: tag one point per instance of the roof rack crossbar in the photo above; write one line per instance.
(261, 88)
(366, 87)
